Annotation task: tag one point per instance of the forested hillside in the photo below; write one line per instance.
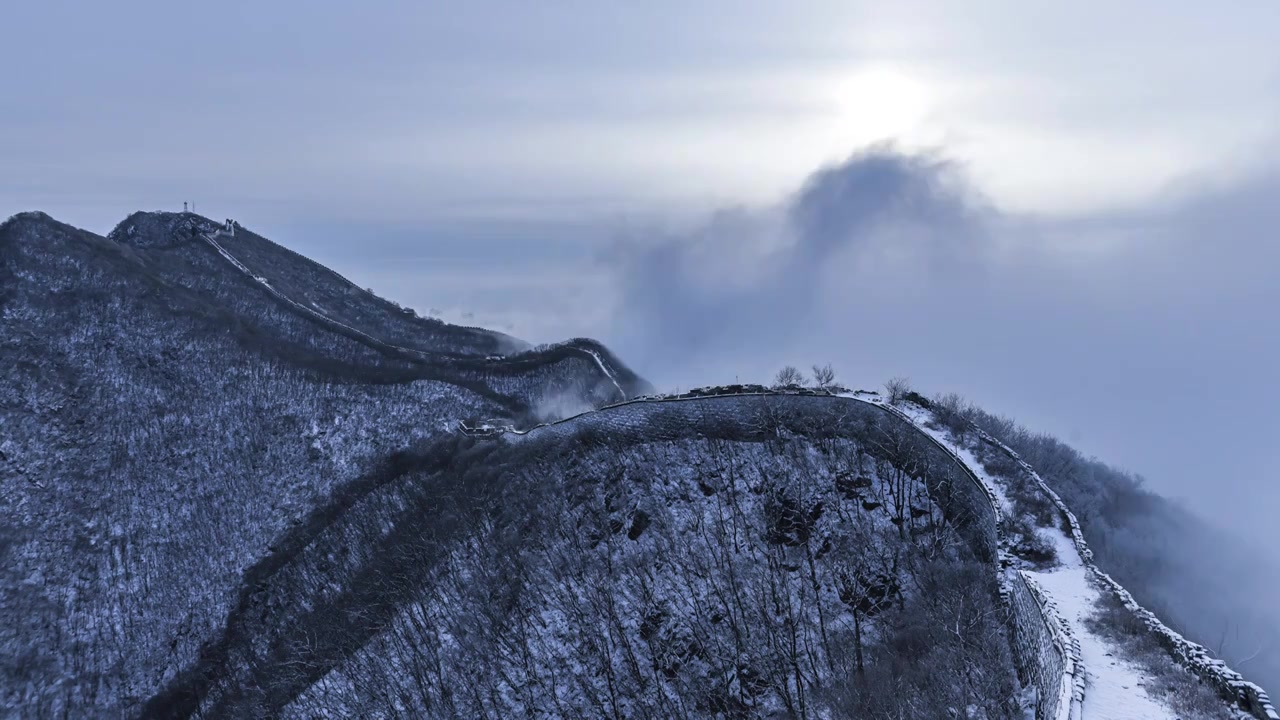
(161, 420)
(233, 484)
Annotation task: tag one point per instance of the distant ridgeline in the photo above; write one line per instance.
(237, 485)
(173, 398)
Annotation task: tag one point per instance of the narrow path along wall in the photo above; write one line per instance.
(1053, 657)
(1248, 696)
(1047, 650)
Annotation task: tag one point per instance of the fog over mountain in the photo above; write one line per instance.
(896, 261)
(669, 360)
(1119, 332)
(1138, 335)
(239, 485)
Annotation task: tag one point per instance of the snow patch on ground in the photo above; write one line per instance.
(922, 419)
(1115, 688)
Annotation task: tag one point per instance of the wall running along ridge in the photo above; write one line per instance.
(1048, 658)
(1047, 652)
(1194, 657)
(1051, 664)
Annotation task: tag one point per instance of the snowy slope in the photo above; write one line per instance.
(615, 382)
(171, 408)
(1114, 688)
(282, 438)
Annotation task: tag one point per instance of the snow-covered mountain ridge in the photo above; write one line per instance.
(237, 485)
(163, 417)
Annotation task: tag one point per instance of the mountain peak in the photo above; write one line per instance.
(144, 229)
(29, 217)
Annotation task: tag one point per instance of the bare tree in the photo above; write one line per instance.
(788, 375)
(897, 389)
(953, 412)
(824, 376)
(1236, 659)
(865, 578)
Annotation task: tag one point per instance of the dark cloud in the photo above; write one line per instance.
(848, 203)
(748, 284)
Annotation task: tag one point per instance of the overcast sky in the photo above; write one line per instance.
(1074, 225)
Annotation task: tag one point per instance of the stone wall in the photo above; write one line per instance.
(1047, 653)
(1047, 657)
(1194, 657)
(1053, 656)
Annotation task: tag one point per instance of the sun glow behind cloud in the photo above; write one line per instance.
(876, 104)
